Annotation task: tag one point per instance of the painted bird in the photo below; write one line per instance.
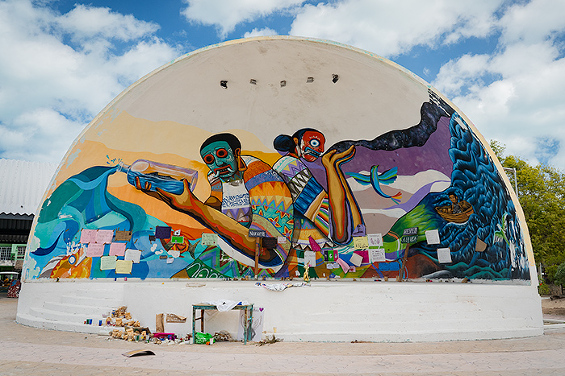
(375, 179)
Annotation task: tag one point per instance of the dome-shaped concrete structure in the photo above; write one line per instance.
(274, 157)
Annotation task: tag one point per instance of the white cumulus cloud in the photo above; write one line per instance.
(57, 71)
(226, 14)
(86, 22)
(260, 32)
(391, 28)
(516, 94)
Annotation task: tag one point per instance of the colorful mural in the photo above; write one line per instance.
(422, 202)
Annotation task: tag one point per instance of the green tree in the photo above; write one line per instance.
(560, 275)
(541, 192)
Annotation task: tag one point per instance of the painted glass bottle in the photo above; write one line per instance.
(166, 177)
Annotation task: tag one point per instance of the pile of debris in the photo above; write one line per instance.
(223, 336)
(119, 316)
(132, 329)
(269, 340)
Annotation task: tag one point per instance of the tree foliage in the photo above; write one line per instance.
(541, 192)
(560, 275)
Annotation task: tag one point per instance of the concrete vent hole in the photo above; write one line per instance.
(335, 77)
(310, 79)
(224, 84)
(253, 81)
(283, 83)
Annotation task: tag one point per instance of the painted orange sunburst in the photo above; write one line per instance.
(76, 265)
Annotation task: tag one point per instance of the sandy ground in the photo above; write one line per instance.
(555, 307)
(28, 351)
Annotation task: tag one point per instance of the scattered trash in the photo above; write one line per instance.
(159, 323)
(225, 305)
(203, 338)
(306, 275)
(133, 353)
(268, 340)
(280, 286)
(171, 317)
(132, 329)
(169, 336)
(131, 335)
(223, 336)
(118, 317)
(134, 332)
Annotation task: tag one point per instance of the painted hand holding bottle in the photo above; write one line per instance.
(159, 175)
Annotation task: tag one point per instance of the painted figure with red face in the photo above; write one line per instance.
(321, 214)
(310, 146)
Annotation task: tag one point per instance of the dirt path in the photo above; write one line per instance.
(554, 307)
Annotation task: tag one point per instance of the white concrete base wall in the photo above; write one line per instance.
(324, 311)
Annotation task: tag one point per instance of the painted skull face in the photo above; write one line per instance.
(312, 145)
(220, 159)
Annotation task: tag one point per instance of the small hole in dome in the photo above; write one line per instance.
(310, 79)
(224, 84)
(283, 83)
(253, 81)
(335, 77)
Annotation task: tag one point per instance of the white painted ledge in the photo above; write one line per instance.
(325, 311)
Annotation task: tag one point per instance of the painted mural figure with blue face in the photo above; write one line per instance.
(245, 194)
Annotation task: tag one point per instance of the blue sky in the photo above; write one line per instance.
(501, 62)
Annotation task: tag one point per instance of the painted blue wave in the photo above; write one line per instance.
(83, 202)
(476, 180)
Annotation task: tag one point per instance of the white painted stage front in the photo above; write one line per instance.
(324, 311)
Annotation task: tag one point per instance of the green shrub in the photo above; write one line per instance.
(550, 271)
(543, 289)
(559, 277)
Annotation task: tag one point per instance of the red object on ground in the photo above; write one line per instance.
(14, 289)
(165, 335)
